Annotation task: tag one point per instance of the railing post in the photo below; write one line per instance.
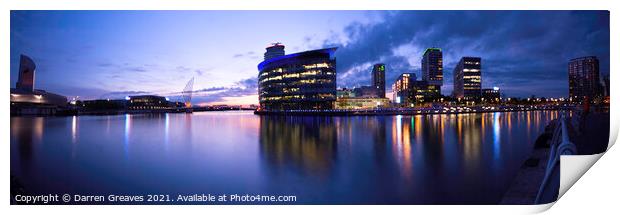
(560, 145)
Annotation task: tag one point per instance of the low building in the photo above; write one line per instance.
(148, 102)
(104, 105)
(425, 92)
(361, 103)
(345, 93)
(25, 99)
(300, 81)
(491, 95)
(37, 102)
(367, 92)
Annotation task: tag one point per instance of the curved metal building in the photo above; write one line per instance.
(25, 99)
(300, 81)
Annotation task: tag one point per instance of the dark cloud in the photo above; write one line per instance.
(517, 47)
(245, 87)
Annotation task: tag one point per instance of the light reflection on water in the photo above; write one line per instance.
(430, 159)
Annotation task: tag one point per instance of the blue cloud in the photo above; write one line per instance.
(518, 48)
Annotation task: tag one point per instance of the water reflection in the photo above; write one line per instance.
(306, 144)
(496, 136)
(167, 130)
(422, 159)
(27, 132)
(74, 128)
(127, 134)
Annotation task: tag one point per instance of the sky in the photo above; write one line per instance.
(112, 54)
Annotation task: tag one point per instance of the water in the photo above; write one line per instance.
(432, 159)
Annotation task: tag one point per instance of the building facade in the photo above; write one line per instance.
(367, 92)
(25, 77)
(104, 104)
(403, 89)
(148, 102)
(584, 79)
(432, 69)
(378, 79)
(361, 103)
(300, 81)
(425, 92)
(345, 93)
(467, 78)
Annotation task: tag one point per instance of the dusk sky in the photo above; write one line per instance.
(111, 54)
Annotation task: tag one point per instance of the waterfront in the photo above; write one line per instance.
(422, 159)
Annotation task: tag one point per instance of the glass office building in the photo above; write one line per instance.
(378, 79)
(467, 78)
(403, 91)
(300, 81)
(432, 70)
(584, 79)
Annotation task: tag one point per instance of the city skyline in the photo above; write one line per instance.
(105, 53)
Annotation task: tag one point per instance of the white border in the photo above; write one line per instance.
(587, 195)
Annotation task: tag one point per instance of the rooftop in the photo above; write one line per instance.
(329, 51)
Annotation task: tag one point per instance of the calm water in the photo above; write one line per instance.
(434, 159)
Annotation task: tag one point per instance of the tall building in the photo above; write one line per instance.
(467, 78)
(299, 81)
(583, 78)
(403, 89)
(274, 50)
(378, 79)
(25, 78)
(432, 68)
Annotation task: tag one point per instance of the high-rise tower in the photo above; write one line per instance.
(432, 68)
(467, 78)
(378, 79)
(583, 78)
